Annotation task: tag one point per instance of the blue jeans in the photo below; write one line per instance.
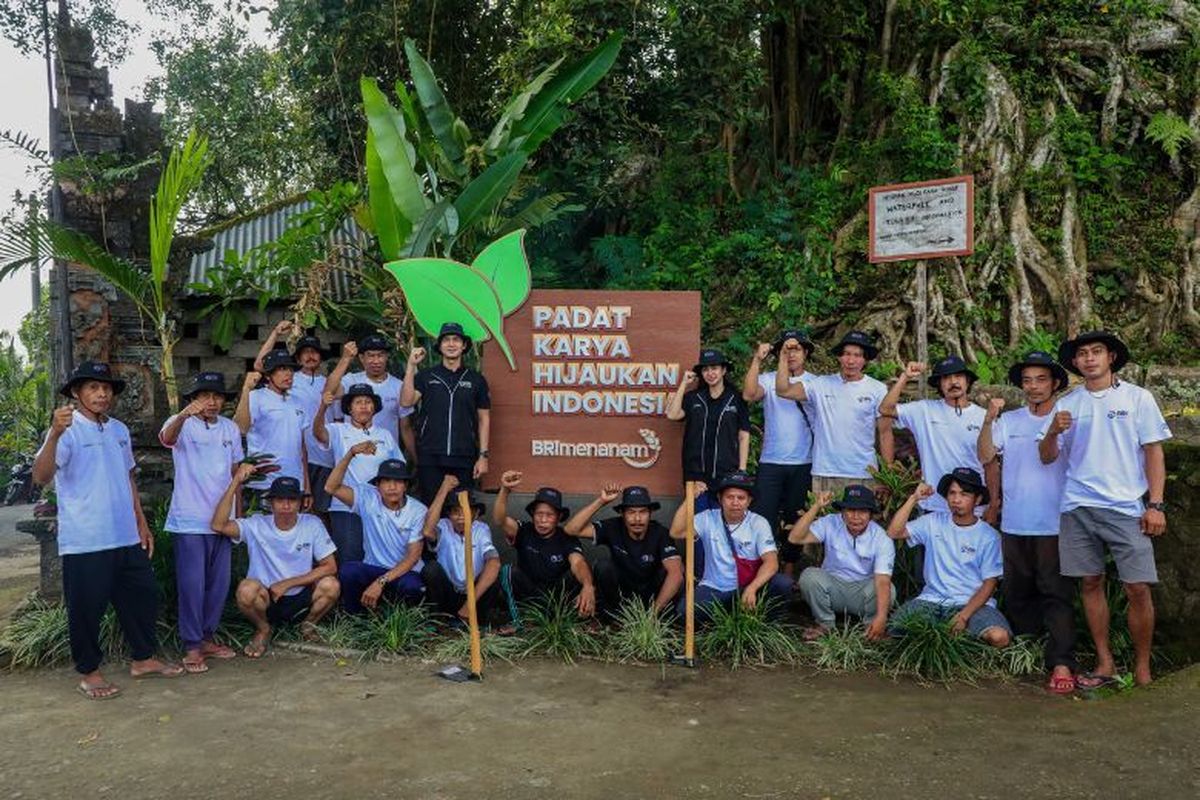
(356, 576)
(779, 588)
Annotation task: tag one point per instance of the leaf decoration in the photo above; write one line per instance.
(505, 265)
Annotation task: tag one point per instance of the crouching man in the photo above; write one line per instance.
(644, 563)
(446, 578)
(962, 559)
(855, 578)
(292, 570)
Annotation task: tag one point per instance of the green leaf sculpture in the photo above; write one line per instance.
(478, 295)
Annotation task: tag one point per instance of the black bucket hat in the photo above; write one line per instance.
(92, 371)
(392, 469)
(285, 487)
(374, 341)
(1039, 358)
(636, 497)
(452, 502)
(951, 365)
(208, 382)
(860, 339)
(1067, 350)
(968, 479)
(856, 497)
(551, 497)
(453, 329)
(278, 359)
(305, 342)
(799, 335)
(736, 480)
(360, 390)
(712, 358)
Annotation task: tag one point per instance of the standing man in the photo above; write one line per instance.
(273, 419)
(1037, 596)
(454, 417)
(205, 450)
(785, 465)
(716, 432)
(103, 538)
(1110, 432)
(846, 407)
(946, 431)
(372, 353)
(645, 563)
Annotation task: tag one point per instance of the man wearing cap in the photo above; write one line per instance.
(360, 407)
(292, 572)
(103, 538)
(372, 352)
(1037, 597)
(644, 562)
(716, 432)
(1110, 433)
(205, 450)
(962, 560)
(548, 560)
(454, 415)
(446, 578)
(785, 465)
(273, 419)
(856, 576)
(945, 430)
(391, 524)
(308, 384)
(846, 413)
(740, 555)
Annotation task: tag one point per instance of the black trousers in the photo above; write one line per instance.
(613, 585)
(1037, 597)
(446, 599)
(91, 581)
(780, 491)
(430, 474)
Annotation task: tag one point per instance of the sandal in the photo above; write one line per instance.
(1061, 684)
(194, 667)
(165, 669)
(214, 650)
(257, 647)
(1090, 681)
(100, 691)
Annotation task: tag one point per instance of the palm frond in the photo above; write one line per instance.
(62, 242)
(19, 140)
(537, 212)
(184, 170)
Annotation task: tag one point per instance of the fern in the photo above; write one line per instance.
(19, 140)
(1169, 131)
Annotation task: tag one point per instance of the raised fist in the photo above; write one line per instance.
(1061, 422)
(762, 351)
(610, 492)
(416, 356)
(995, 406)
(913, 369)
(252, 379)
(349, 350)
(61, 419)
(283, 327)
(511, 479)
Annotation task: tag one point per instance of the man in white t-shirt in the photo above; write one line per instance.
(855, 578)
(446, 578)
(740, 556)
(103, 538)
(274, 420)
(785, 464)
(1110, 432)
(373, 352)
(1037, 596)
(846, 416)
(292, 572)
(205, 450)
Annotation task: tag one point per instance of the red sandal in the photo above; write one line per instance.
(1061, 684)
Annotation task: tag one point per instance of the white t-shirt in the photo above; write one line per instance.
(277, 555)
(957, 559)
(363, 467)
(95, 501)
(945, 439)
(752, 537)
(1032, 490)
(387, 534)
(844, 424)
(787, 434)
(308, 390)
(853, 558)
(451, 555)
(277, 424)
(388, 390)
(204, 456)
(1106, 467)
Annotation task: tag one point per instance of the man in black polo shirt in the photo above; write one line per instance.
(453, 418)
(645, 563)
(547, 559)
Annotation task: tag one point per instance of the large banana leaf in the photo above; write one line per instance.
(403, 184)
(391, 228)
(437, 109)
(488, 189)
(498, 139)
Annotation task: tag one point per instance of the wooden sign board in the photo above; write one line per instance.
(930, 219)
(587, 404)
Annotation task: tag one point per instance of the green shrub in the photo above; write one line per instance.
(846, 649)
(747, 636)
(640, 633)
(930, 651)
(37, 637)
(553, 628)
(456, 648)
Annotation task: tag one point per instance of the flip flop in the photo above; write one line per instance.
(91, 692)
(1061, 684)
(257, 648)
(194, 667)
(168, 670)
(1090, 681)
(218, 651)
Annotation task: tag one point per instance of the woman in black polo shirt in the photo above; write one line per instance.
(716, 433)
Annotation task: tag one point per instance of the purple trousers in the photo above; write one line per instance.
(356, 576)
(202, 575)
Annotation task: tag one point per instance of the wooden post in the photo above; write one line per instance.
(469, 567)
(689, 619)
(921, 321)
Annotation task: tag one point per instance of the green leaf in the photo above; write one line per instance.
(70, 245)
(488, 189)
(183, 173)
(230, 323)
(385, 122)
(391, 228)
(1170, 131)
(418, 246)
(439, 290)
(437, 109)
(505, 265)
(515, 110)
(544, 112)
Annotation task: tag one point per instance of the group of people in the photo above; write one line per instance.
(355, 488)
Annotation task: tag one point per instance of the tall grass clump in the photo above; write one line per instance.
(553, 628)
(641, 633)
(930, 651)
(457, 648)
(747, 636)
(846, 649)
(37, 637)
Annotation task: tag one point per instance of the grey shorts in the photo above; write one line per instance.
(1085, 532)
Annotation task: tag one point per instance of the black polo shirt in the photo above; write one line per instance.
(544, 560)
(447, 422)
(710, 433)
(637, 560)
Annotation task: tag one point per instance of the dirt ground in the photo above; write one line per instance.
(296, 726)
(18, 559)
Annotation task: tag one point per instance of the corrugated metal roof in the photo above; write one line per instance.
(348, 240)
